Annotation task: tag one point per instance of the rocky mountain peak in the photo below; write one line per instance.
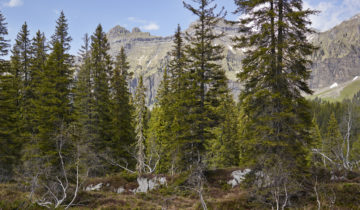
(118, 31)
(356, 17)
(337, 59)
(136, 30)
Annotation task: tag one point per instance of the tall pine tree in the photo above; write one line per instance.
(101, 66)
(121, 110)
(274, 74)
(20, 62)
(9, 150)
(205, 77)
(54, 106)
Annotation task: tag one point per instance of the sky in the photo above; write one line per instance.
(159, 17)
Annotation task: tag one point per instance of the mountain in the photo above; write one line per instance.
(148, 55)
(338, 57)
(336, 61)
(338, 91)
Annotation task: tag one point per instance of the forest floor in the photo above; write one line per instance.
(344, 194)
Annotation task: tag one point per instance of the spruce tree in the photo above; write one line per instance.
(223, 149)
(101, 66)
(140, 125)
(159, 134)
(10, 149)
(32, 161)
(274, 74)
(20, 62)
(83, 96)
(38, 57)
(121, 110)
(318, 143)
(54, 105)
(178, 110)
(204, 77)
(333, 142)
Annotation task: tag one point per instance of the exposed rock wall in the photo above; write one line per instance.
(338, 57)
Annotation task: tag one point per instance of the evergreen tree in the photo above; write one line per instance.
(179, 106)
(83, 96)
(121, 110)
(223, 149)
(20, 63)
(101, 70)
(54, 96)
(274, 75)
(140, 125)
(318, 143)
(9, 150)
(333, 143)
(204, 74)
(159, 134)
(38, 57)
(32, 161)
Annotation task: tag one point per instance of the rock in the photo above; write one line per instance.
(93, 188)
(120, 190)
(337, 59)
(136, 30)
(146, 184)
(143, 184)
(238, 177)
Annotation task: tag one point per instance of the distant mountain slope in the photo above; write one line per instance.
(338, 91)
(148, 55)
(336, 61)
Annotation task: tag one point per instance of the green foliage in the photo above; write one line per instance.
(101, 67)
(121, 110)
(277, 115)
(54, 108)
(333, 138)
(202, 71)
(223, 149)
(9, 111)
(83, 96)
(318, 142)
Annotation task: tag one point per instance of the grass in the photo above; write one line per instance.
(346, 92)
(350, 90)
(173, 197)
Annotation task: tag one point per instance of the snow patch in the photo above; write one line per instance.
(355, 78)
(334, 85)
(238, 177)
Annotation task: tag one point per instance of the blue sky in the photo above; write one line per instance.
(159, 17)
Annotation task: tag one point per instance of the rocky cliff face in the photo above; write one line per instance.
(337, 60)
(338, 57)
(148, 55)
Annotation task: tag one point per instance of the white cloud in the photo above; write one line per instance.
(332, 12)
(150, 27)
(14, 3)
(146, 25)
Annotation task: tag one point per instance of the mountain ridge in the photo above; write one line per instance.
(336, 61)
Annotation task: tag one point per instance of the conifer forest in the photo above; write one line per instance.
(74, 134)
